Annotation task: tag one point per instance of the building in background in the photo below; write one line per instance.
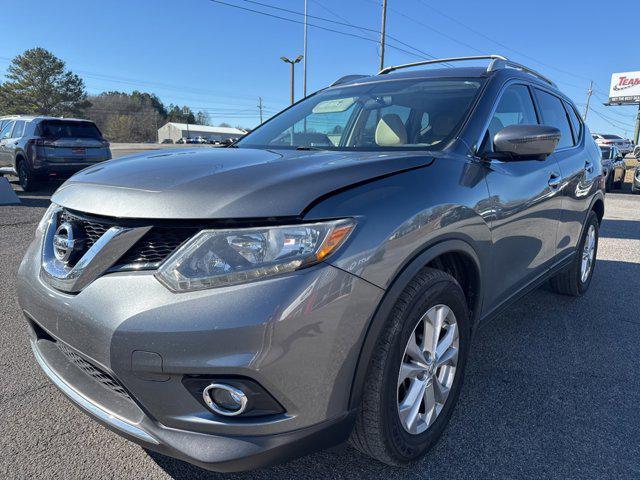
(175, 131)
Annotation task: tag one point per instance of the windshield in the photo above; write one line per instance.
(69, 129)
(386, 115)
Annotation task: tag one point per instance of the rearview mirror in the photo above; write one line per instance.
(526, 142)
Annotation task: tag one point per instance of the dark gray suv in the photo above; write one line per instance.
(38, 148)
(321, 279)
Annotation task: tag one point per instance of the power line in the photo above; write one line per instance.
(349, 34)
(344, 24)
(483, 35)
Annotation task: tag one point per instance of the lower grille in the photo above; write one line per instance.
(93, 371)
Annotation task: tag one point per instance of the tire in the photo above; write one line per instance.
(571, 280)
(608, 186)
(379, 431)
(26, 178)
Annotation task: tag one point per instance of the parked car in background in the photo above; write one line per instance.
(37, 148)
(238, 307)
(166, 141)
(181, 140)
(635, 184)
(614, 167)
(608, 139)
(636, 152)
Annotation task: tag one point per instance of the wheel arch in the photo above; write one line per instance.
(453, 256)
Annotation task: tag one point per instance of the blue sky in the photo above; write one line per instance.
(215, 57)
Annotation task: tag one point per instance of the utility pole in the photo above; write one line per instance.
(292, 63)
(382, 32)
(304, 53)
(260, 108)
(637, 132)
(185, 112)
(589, 93)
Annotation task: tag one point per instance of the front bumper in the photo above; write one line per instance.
(297, 335)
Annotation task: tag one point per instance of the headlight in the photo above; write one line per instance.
(46, 218)
(216, 258)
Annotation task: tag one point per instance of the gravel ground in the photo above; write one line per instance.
(551, 389)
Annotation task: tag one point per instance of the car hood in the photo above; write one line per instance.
(224, 183)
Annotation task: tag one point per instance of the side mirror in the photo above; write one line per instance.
(526, 142)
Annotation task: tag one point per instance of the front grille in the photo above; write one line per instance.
(99, 375)
(154, 247)
(91, 231)
(157, 244)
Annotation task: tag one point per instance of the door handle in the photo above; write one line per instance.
(588, 166)
(554, 180)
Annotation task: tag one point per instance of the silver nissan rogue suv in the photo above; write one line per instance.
(321, 279)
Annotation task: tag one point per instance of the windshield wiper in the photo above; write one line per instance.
(308, 147)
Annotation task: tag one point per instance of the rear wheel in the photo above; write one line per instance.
(576, 278)
(414, 378)
(26, 178)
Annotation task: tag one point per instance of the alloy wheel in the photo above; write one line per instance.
(428, 369)
(588, 253)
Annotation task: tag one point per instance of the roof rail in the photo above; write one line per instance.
(497, 62)
(347, 78)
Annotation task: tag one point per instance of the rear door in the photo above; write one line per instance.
(72, 141)
(5, 139)
(578, 167)
(525, 201)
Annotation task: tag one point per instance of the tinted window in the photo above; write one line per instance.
(554, 115)
(611, 137)
(514, 108)
(606, 152)
(67, 129)
(412, 113)
(18, 129)
(6, 130)
(576, 124)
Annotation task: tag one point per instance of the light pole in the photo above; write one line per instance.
(292, 63)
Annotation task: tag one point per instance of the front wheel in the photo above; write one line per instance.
(576, 278)
(414, 378)
(26, 178)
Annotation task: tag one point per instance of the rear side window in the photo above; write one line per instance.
(554, 115)
(514, 108)
(18, 129)
(67, 129)
(6, 131)
(576, 123)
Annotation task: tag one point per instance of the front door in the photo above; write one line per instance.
(526, 205)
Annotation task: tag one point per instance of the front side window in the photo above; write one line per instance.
(18, 129)
(514, 108)
(554, 115)
(6, 131)
(385, 115)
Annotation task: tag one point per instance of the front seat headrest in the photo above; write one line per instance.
(390, 131)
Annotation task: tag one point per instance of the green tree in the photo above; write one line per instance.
(179, 114)
(37, 83)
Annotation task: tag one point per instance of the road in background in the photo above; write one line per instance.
(551, 389)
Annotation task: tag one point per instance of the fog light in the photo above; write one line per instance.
(225, 399)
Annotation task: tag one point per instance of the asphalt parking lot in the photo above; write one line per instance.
(552, 388)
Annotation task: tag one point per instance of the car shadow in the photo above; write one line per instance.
(550, 391)
(40, 198)
(623, 229)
